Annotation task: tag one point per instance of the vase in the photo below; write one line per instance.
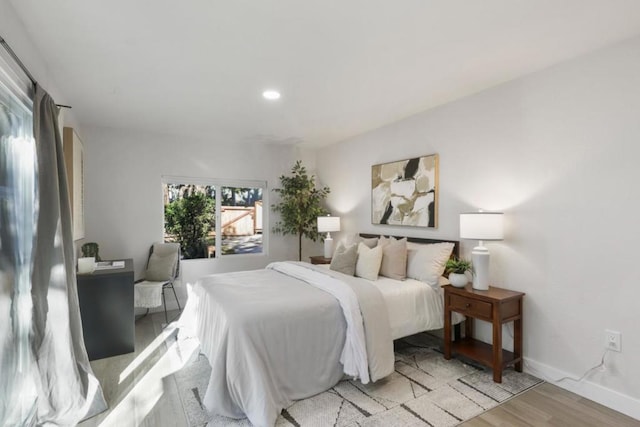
(459, 280)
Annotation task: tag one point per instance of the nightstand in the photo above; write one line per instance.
(496, 306)
(320, 260)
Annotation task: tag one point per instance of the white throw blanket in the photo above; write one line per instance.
(354, 352)
(147, 294)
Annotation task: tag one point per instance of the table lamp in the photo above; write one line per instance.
(481, 226)
(327, 224)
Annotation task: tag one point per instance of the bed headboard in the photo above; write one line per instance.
(456, 243)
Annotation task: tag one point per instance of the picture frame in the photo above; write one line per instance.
(405, 192)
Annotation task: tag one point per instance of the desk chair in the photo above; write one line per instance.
(163, 268)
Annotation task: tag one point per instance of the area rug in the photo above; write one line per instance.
(424, 390)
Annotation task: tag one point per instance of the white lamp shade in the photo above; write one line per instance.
(482, 226)
(327, 224)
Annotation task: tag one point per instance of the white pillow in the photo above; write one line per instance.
(369, 260)
(427, 262)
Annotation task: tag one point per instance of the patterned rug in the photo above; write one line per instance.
(424, 390)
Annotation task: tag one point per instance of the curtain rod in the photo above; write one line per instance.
(13, 55)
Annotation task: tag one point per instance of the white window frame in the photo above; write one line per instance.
(218, 183)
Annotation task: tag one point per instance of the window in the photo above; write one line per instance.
(18, 209)
(241, 220)
(197, 211)
(189, 218)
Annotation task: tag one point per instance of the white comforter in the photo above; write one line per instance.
(273, 337)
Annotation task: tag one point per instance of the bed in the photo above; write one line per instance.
(293, 330)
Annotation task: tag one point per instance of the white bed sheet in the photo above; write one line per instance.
(413, 306)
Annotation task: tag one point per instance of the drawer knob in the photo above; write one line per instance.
(468, 305)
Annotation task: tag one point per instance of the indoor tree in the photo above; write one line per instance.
(300, 205)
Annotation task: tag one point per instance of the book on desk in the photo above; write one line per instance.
(109, 265)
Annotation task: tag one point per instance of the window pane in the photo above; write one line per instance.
(18, 208)
(189, 218)
(241, 220)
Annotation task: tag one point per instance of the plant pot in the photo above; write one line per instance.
(86, 265)
(458, 279)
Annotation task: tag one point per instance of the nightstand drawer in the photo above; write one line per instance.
(471, 307)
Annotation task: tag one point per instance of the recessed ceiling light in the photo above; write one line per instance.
(271, 95)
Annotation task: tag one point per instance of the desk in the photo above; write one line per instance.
(106, 308)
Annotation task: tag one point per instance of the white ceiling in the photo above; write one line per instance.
(343, 67)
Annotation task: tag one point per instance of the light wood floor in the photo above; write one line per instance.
(140, 387)
(549, 405)
(141, 390)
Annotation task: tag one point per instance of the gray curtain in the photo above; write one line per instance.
(67, 389)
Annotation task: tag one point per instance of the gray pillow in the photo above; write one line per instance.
(369, 242)
(161, 267)
(344, 259)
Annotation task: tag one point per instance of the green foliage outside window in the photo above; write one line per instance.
(189, 219)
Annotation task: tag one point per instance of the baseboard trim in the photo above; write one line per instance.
(590, 390)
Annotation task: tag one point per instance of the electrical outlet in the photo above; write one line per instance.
(613, 340)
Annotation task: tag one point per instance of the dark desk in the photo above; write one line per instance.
(106, 308)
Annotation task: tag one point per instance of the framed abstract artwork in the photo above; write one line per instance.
(405, 192)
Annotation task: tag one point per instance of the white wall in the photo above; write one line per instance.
(13, 31)
(558, 152)
(123, 192)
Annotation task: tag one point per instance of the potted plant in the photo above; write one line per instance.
(457, 269)
(300, 205)
(91, 249)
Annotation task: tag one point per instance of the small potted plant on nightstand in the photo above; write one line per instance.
(457, 268)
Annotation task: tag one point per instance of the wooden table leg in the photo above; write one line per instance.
(517, 340)
(447, 330)
(497, 345)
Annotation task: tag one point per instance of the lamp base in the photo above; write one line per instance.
(480, 259)
(328, 247)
